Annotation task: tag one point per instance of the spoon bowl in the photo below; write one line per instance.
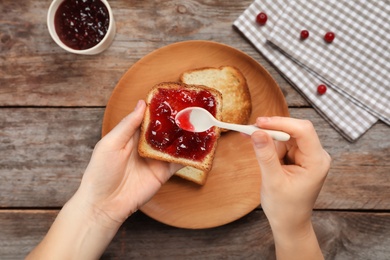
(197, 119)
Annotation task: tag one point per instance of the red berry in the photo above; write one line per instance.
(321, 89)
(261, 18)
(329, 37)
(304, 34)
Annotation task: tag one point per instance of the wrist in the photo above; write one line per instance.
(291, 232)
(89, 212)
(85, 228)
(298, 242)
(78, 232)
(289, 220)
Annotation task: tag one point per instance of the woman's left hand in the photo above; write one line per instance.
(117, 181)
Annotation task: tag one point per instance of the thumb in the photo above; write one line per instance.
(265, 153)
(126, 128)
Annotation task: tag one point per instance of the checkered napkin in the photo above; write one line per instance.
(354, 66)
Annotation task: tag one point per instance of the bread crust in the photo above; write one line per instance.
(192, 174)
(146, 150)
(237, 104)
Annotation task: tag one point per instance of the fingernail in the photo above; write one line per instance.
(263, 119)
(138, 105)
(260, 140)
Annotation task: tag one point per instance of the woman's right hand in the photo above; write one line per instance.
(293, 173)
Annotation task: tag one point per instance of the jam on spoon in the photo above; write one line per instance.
(196, 119)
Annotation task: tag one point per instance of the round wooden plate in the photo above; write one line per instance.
(232, 189)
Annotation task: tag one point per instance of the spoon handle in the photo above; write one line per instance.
(250, 129)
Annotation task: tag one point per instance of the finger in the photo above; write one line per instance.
(121, 134)
(266, 155)
(281, 150)
(174, 167)
(301, 130)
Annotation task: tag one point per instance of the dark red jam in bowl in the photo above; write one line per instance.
(81, 24)
(164, 135)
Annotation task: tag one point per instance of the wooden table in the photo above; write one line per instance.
(51, 111)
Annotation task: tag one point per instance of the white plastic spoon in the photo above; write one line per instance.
(196, 119)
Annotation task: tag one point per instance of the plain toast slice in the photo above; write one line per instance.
(237, 105)
(192, 174)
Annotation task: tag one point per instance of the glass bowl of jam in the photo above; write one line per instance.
(81, 26)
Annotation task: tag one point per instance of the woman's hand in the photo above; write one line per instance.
(117, 180)
(293, 173)
(116, 183)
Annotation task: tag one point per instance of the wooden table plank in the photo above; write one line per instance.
(342, 235)
(359, 175)
(51, 109)
(34, 71)
(44, 151)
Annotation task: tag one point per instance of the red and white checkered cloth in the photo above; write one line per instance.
(355, 66)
